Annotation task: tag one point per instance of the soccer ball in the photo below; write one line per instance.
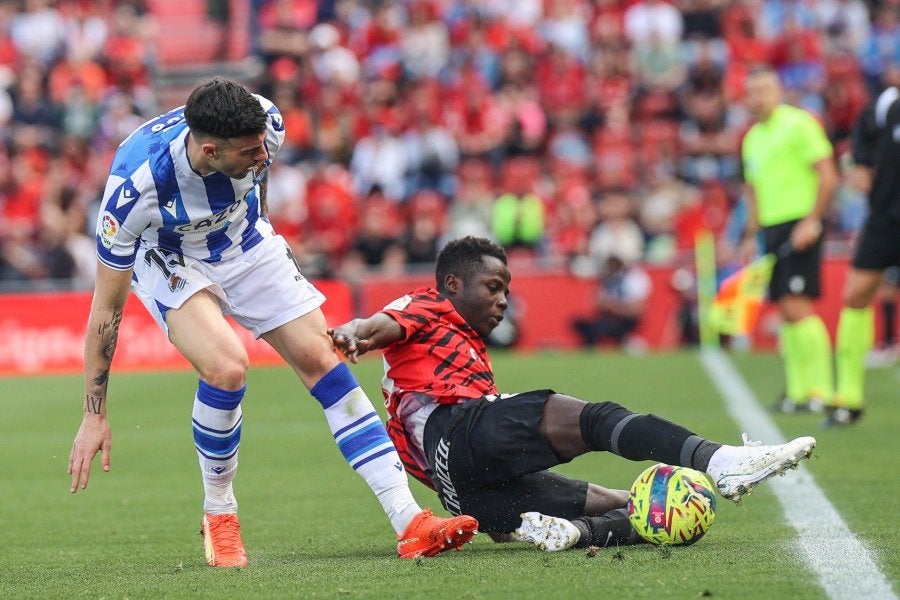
(671, 506)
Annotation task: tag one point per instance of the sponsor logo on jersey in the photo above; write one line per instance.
(214, 222)
(109, 229)
(127, 194)
(399, 303)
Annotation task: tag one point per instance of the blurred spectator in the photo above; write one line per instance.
(571, 222)
(332, 220)
(377, 242)
(616, 234)
(845, 23)
(432, 152)
(380, 160)
(845, 95)
(518, 213)
(425, 42)
(659, 63)
(778, 18)
(478, 121)
(621, 300)
(283, 28)
(708, 139)
(701, 19)
(471, 211)
(286, 199)
(86, 30)
(38, 32)
(880, 55)
(129, 52)
(560, 81)
(565, 26)
(649, 21)
(614, 151)
(332, 62)
(34, 116)
(529, 123)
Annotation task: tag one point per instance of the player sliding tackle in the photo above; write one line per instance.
(487, 454)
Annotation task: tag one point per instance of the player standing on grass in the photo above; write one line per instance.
(788, 165)
(487, 454)
(876, 152)
(180, 224)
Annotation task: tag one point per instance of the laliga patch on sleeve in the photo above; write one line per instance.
(399, 303)
(108, 230)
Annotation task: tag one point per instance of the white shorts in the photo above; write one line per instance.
(262, 289)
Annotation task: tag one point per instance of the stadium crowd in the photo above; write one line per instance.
(566, 130)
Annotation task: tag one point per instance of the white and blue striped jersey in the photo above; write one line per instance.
(153, 197)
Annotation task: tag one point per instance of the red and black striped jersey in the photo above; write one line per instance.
(440, 356)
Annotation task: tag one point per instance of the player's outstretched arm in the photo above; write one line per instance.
(94, 435)
(358, 336)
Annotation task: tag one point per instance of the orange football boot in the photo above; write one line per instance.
(222, 541)
(428, 535)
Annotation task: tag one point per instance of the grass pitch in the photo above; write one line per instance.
(313, 530)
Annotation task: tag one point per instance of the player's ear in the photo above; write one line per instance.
(452, 284)
(209, 149)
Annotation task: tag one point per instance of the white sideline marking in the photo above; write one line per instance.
(844, 566)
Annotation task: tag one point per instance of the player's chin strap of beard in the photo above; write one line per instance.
(263, 202)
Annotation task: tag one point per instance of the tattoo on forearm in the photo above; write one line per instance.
(93, 404)
(109, 332)
(102, 378)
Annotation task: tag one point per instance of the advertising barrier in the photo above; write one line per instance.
(44, 333)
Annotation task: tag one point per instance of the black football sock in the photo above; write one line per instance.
(610, 529)
(704, 451)
(612, 428)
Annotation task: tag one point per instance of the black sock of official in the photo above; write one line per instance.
(610, 529)
(612, 428)
(889, 312)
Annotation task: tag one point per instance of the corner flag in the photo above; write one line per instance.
(736, 307)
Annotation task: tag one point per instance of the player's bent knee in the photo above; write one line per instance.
(227, 373)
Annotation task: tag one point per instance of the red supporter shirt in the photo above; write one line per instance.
(440, 360)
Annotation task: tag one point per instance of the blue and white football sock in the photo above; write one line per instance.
(217, 435)
(362, 439)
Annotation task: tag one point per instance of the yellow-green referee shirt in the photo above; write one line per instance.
(778, 156)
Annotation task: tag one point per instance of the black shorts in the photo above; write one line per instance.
(798, 272)
(878, 247)
(488, 460)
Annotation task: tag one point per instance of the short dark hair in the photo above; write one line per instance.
(463, 257)
(224, 109)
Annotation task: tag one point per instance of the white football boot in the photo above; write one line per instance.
(736, 470)
(550, 534)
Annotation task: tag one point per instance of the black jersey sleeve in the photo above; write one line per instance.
(864, 138)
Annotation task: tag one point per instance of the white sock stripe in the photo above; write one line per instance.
(843, 564)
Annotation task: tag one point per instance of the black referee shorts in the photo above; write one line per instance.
(488, 460)
(798, 273)
(878, 247)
